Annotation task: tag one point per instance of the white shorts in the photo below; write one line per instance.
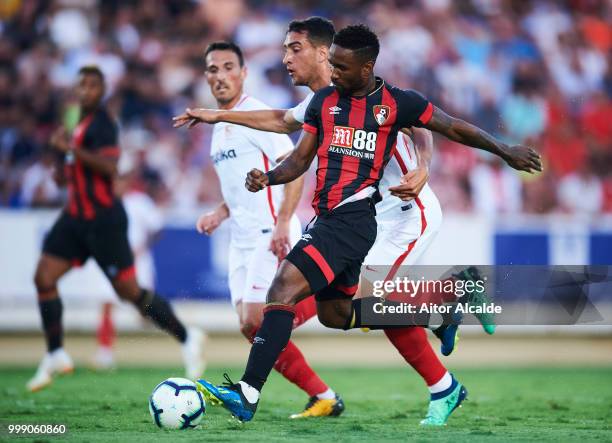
(403, 235)
(251, 269)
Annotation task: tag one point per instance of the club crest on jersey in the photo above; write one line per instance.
(381, 113)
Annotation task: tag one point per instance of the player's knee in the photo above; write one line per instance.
(282, 291)
(44, 282)
(127, 290)
(289, 285)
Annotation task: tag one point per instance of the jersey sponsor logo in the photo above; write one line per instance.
(343, 136)
(223, 155)
(381, 113)
(334, 110)
(306, 237)
(354, 142)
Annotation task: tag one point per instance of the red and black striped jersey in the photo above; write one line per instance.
(89, 191)
(357, 137)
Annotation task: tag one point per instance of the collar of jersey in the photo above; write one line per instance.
(379, 81)
(243, 97)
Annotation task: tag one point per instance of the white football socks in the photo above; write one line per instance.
(445, 382)
(327, 395)
(250, 393)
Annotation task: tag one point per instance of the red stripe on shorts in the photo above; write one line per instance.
(316, 256)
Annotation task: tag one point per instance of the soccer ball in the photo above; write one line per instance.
(176, 404)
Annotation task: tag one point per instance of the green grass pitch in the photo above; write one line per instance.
(382, 404)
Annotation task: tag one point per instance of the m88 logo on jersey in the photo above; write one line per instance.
(347, 137)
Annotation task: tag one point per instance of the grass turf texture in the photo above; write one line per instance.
(382, 404)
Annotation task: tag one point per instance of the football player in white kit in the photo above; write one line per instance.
(405, 229)
(263, 227)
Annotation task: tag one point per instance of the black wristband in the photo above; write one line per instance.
(271, 179)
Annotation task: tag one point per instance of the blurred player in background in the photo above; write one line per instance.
(353, 147)
(94, 224)
(263, 226)
(145, 221)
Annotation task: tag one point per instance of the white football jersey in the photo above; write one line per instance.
(403, 160)
(235, 150)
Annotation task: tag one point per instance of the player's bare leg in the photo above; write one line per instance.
(335, 313)
(48, 272)
(250, 316)
(156, 308)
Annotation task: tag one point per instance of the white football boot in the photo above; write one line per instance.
(192, 353)
(56, 362)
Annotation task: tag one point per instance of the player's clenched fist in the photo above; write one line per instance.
(256, 180)
(207, 223)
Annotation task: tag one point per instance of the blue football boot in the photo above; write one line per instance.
(449, 334)
(230, 395)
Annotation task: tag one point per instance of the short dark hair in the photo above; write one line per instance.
(320, 31)
(92, 70)
(360, 39)
(225, 46)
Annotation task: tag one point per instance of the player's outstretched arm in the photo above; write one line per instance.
(289, 169)
(519, 157)
(271, 120)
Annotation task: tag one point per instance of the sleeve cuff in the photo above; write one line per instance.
(426, 115)
(309, 128)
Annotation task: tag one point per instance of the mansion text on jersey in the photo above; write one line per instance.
(351, 152)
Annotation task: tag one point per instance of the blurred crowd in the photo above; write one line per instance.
(537, 72)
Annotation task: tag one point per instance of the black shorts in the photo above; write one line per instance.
(103, 238)
(331, 252)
